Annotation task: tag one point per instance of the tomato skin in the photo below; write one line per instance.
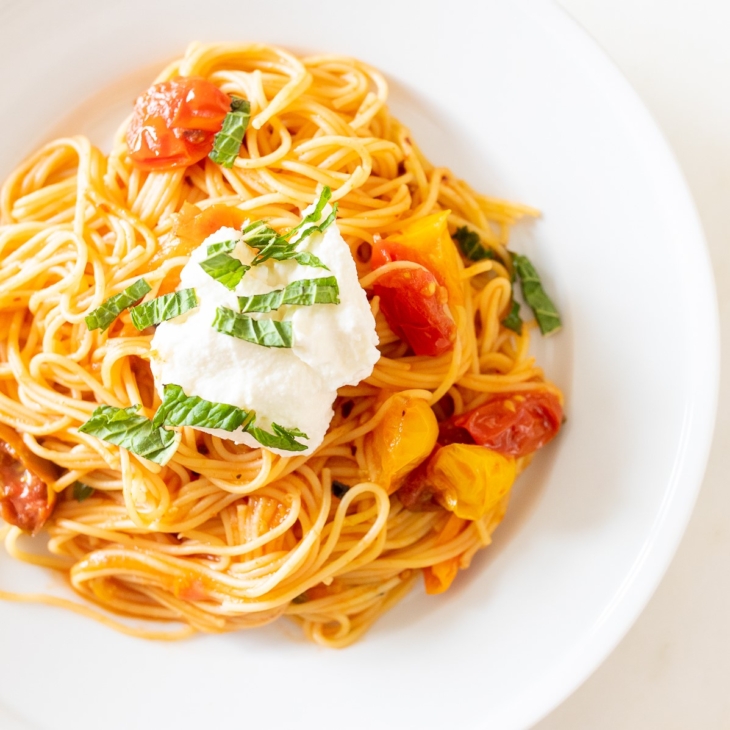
(425, 241)
(174, 123)
(401, 441)
(411, 302)
(515, 424)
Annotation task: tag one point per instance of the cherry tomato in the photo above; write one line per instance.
(414, 306)
(515, 424)
(174, 123)
(25, 499)
(425, 241)
(401, 441)
(465, 479)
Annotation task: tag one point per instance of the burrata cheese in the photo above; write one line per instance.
(333, 344)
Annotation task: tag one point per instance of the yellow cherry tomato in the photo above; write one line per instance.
(429, 239)
(470, 480)
(401, 441)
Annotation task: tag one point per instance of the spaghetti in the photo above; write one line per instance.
(224, 536)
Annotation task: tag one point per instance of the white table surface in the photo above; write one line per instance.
(672, 670)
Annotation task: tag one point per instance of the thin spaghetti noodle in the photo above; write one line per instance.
(226, 537)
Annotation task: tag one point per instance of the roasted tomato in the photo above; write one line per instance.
(426, 241)
(401, 441)
(414, 305)
(440, 576)
(465, 479)
(415, 302)
(26, 501)
(174, 123)
(516, 424)
(192, 226)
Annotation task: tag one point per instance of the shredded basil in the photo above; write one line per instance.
(282, 438)
(471, 246)
(163, 308)
(316, 214)
(124, 427)
(225, 269)
(264, 332)
(220, 247)
(513, 321)
(303, 292)
(537, 299)
(178, 409)
(82, 491)
(259, 235)
(228, 141)
(271, 245)
(102, 317)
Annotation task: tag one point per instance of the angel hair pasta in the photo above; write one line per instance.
(261, 359)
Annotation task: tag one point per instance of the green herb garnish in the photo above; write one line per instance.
(513, 321)
(225, 269)
(220, 247)
(102, 317)
(303, 292)
(471, 246)
(178, 409)
(124, 427)
(163, 308)
(282, 438)
(228, 141)
(82, 491)
(315, 215)
(272, 245)
(542, 306)
(264, 332)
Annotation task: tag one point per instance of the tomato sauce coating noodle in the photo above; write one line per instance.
(226, 537)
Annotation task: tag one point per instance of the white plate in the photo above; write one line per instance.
(518, 101)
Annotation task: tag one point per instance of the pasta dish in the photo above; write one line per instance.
(263, 358)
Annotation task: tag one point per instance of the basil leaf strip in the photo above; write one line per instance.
(513, 321)
(304, 292)
(282, 438)
(271, 245)
(537, 299)
(124, 427)
(222, 247)
(225, 269)
(82, 491)
(309, 259)
(471, 246)
(316, 214)
(178, 409)
(263, 332)
(163, 308)
(228, 141)
(102, 317)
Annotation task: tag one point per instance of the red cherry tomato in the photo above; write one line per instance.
(25, 498)
(516, 424)
(413, 303)
(174, 123)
